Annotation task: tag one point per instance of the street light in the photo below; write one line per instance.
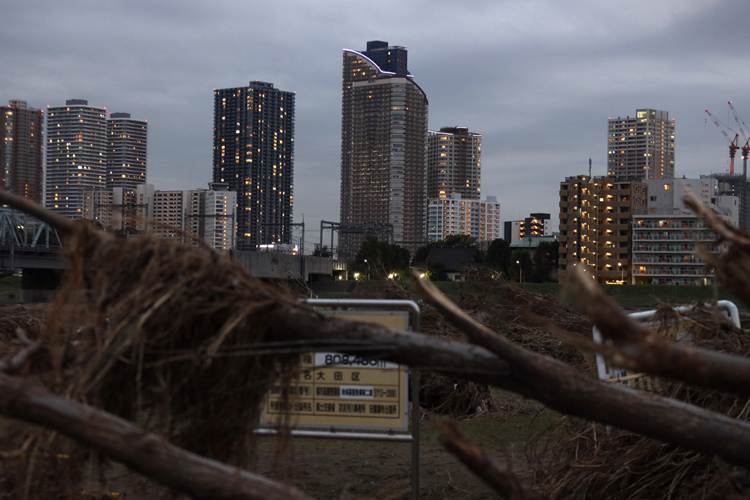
(368, 269)
(520, 270)
(622, 272)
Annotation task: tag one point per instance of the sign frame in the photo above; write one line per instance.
(413, 415)
(324, 384)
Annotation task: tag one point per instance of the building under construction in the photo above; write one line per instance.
(735, 183)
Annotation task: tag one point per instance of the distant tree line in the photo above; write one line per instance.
(537, 266)
(379, 259)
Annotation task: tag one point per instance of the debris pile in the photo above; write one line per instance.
(161, 333)
(589, 460)
(507, 309)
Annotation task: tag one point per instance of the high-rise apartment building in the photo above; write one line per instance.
(666, 249)
(76, 155)
(126, 151)
(641, 147)
(179, 212)
(21, 147)
(454, 163)
(254, 154)
(596, 217)
(383, 136)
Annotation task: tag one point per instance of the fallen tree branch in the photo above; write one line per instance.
(533, 375)
(476, 460)
(143, 452)
(640, 349)
(732, 267)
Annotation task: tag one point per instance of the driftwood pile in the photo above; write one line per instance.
(159, 333)
(590, 460)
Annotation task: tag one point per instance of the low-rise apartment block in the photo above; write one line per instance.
(664, 249)
(457, 215)
(181, 214)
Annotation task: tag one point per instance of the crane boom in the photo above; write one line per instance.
(740, 124)
(733, 147)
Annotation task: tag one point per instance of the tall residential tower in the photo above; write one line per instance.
(454, 163)
(76, 155)
(254, 155)
(383, 134)
(126, 151)
(641, 147)
(21, 146)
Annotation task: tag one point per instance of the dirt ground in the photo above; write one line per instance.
(348, 470)
(333, 469)
(354, 470)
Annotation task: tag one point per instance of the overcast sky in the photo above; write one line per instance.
(538, 79)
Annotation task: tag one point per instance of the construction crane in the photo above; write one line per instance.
(733, 147)
(744, 223)
(746, 147)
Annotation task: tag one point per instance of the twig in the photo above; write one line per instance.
(14, 364)
(500, 479)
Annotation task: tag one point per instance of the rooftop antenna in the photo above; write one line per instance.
(589, 168)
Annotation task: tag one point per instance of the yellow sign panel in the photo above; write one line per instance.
(345, 390)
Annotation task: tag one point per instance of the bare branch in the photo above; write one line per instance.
(143, 452)
(476, 460)
(478, 334)
(733, 266)
(725, 231)
(62, 224)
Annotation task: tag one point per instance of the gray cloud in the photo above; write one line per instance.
(537, 78)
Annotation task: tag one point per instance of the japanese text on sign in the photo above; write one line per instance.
(345, 390)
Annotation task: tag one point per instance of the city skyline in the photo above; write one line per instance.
(537, 80)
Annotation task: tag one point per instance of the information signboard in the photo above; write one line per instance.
(345, 391)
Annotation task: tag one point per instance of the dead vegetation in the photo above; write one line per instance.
(590, 460)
